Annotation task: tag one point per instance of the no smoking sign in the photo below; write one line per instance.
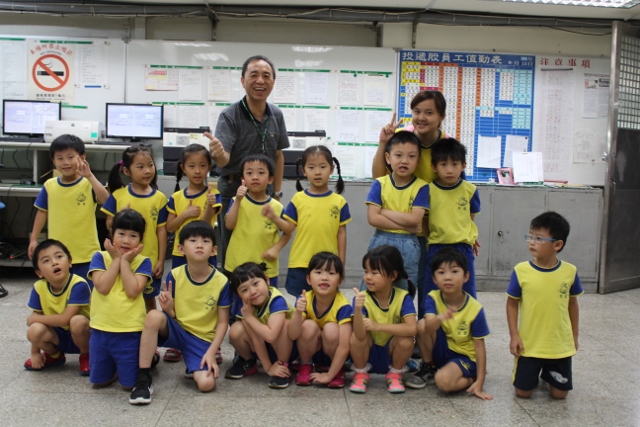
(50, 73)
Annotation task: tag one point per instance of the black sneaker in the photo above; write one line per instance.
(420, 379)
(279, 382)
(141, 393)
(241, 368)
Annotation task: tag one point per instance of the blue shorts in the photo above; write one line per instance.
(111, 352)
(152, 290)
(556, 372)
(179, 260)
(192, 347)
(442, 355)
(296, 281)
(408, 246)
(65, 342)
(379, 359)
(470, 285)
(82, 270)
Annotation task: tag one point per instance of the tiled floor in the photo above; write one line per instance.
(606, 384)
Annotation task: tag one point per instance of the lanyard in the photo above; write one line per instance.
(262, 133)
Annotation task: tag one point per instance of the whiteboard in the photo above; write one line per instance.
(345, 91)
(570, 117)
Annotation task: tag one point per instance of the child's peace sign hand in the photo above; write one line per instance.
(166, 297)
(83, 167)
(387, 132)
(301, 303)
(360, 296)
(242, 191)
(193, 211)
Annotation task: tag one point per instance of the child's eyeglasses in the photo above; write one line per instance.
(538, 239)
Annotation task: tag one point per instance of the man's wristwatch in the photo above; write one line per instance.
(277, 194)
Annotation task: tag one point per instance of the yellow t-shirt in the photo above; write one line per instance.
(180, 201)
(274, 304)
(252, 235)
(71, 216)
(197, 303)
(318, 218)
(450, 214)
(116, 312)
(340, 311)
(76, 292)
(400, 306)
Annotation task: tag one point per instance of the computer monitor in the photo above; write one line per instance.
(21, 117)
(134, 121)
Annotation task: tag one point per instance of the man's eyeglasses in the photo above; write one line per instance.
(538, 239)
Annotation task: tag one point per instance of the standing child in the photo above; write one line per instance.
(195, 314)
(119, 276)
(251, 216)
(544, 290)
(196, 202)
(451, 335)
(454, 203)
(384, 321)
(319, 214)
(59, 323)
(397, 202)
(261, 329)
(321, 323)
(141, 195)
(68, 203)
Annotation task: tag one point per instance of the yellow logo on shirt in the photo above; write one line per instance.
(81, 199)
(397, 319)
(411, 199)
(462, 203)
(335, 212)
(564, 291)
(154, 213)
(462, 328)
(211, 302)
(268, 224)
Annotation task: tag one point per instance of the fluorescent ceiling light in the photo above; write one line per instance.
(619, 4)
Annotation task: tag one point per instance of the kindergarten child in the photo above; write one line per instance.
(319, 214)
(59, 323)
(261, 329)
(321, 323)
(68, 203)
(195, 314)
(451, 334)
(454, 203)
(251, 217)
(384, 321)
(544, 290)
(119, 274)
(397, 202)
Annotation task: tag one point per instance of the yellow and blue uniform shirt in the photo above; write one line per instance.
(152, 207)
(450, 214)
(340, 311)
(116, 312)
(318, 218)
(545, 326)
(196, 303)
(468, 323)
(252, 235)
(275, 303)
(76, 292)
(400, 306)
(180, 201)
(71, 216)
(388, 195)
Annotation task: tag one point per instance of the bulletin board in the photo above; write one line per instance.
(489, 102)
(82, 74)
(348, 92)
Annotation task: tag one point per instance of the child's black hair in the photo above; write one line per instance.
(65, 142)
(403, 137)
(326, 261)
(388, 260)
(258, 58)
(259, 157)
(449, 255)
(115, 180)
(448, 149)
(435, 95)
(128, 219)
(45, 244)
(247, 271)
(197, 229)
(186, 152)
(557, 226)
(320, 150)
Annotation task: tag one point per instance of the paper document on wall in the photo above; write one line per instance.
(190, 116)
(348, 89)
(514, 144)
(190, 84)
(316, 88)
(91, 65)
(348, 126)
(489, 150)
(213, 113)
(527, 167)
(376, 89)
(595, 102)
(219, 85)
(169, 116)
(374, 122)
(315, 119)
(286, 88)
(290, 118)
(161, 79)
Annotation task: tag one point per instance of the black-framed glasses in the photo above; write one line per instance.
(538, 239)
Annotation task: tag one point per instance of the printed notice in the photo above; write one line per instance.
(190, 84)
(191, 116)
(348, 126)
(348, 89)
(213, 113)
(376, 89)
(374, 122)
(595, 102)
(514, 144)
(219, 85)
(286, 88)
(91, 64)
(316, 88)
(489, 150)
(161, 79)
(290, 118)
(315, 120)
(527, 167)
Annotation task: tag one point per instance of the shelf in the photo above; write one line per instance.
(17, 190)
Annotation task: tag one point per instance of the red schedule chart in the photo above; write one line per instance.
(489, 102)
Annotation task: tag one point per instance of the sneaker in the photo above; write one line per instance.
(359, 382)
(424, 376)
(218, 357)
(84, 365)
(303, 377)
(338, 381)
(49, 362)
(172, 355)
(141, 393)
(241, 368)
(394, 382)
(411, 366)
(187, 374)
(156, 359)
(279, 382)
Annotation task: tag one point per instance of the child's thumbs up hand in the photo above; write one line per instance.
(242, 190)
(301, 304)
(360, 296)
(193, 211)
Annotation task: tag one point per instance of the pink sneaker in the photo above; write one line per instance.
(394, 383)
(338, 381)
(359, 382)
(303, 377)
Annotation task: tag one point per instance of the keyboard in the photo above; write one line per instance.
(123, 143)
(20, 139)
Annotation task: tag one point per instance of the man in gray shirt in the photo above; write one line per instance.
(247, 127)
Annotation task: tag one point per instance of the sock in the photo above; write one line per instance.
(362, 370)
(395, 371)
